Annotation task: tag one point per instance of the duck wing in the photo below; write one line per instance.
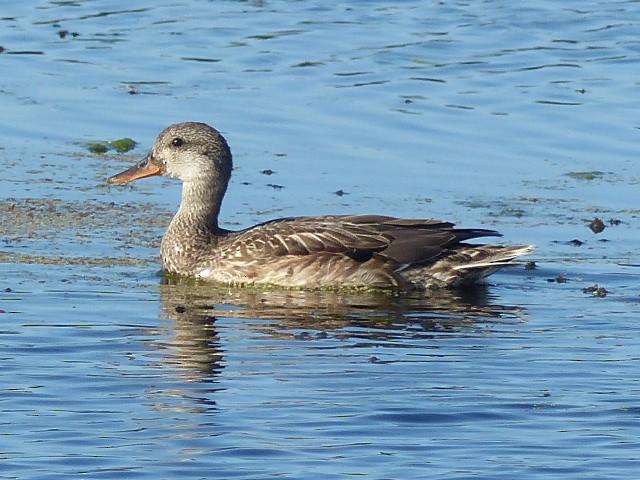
(401, 241)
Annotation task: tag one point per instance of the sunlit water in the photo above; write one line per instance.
(498, 114)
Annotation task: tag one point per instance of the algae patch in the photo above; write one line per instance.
(586, 175)
(105, 262)
(89, 232)
(46, 218)
(122, 145)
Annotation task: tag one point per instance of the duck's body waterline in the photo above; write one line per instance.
(368, 251)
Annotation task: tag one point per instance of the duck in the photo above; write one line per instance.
(304, 252)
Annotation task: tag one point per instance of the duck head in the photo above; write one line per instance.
(189, 151)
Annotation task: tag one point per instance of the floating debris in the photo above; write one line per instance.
(597, 225)
(66, 33)
(122, 145)
(97, 148)
(51, 226)
(596, 291)
(588, 175)
(307, 64)
(201, 59)
(558, 279)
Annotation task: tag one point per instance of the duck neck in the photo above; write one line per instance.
(200, 207)
(194, 226)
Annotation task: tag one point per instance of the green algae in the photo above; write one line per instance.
(97, 148)
(513, 208)
(50, 231)
(104, 262)
(46, 218)
(122, 145)
(175, 279)
(586, 175)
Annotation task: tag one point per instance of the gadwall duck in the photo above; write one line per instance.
(333, 251)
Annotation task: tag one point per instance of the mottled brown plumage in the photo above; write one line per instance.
(335, 251)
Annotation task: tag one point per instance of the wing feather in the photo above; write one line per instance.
(400, 241)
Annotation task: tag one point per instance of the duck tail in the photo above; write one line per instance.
(472, 263)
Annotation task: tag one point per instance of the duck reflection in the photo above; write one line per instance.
(195, 348)
(375, 315)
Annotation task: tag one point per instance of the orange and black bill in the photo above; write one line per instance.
(146, 168)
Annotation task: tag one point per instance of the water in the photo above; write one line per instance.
(499, 114)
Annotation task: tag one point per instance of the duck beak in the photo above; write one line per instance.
(148, 167)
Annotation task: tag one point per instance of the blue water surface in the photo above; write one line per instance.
(507, 115)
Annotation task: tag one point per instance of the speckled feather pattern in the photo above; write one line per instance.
(369, 251)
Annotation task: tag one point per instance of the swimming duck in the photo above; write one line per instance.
(332, 251)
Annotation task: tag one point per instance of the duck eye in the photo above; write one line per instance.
(177, 142)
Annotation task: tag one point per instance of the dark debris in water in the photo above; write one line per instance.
(66, 33)
(558, 279)
(201, 59)
(307, 63)
(596, 290)
(596, 225)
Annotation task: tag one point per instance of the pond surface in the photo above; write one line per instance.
(522, 118)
